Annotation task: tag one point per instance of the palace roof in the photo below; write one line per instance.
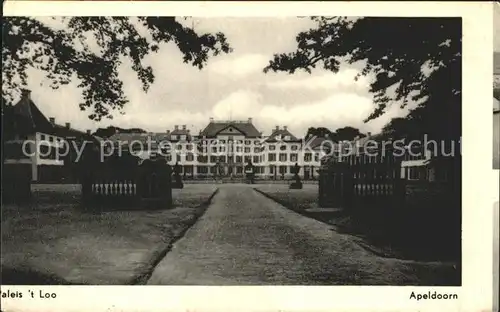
(215, 127)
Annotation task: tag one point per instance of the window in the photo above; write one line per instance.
(214, 149)
(247, 149)
(271, 169)
(294, 147)
(222, 149)
(169, 158)
(283, 148)
(179, 147)
(239, 149)
(222, 141)
(256, 159)
(283, 169)
(189, 147)
(413, 173)
(189, 157)
(248, 142)
(239, 159)
(202, 159)
(272, 147)
(213, 159)
(248, 159)
(271, 157)
(287, 137)
(178, 157)
(256, 150)
(294, 157)
(307, 157)
(222, 159)
(173, 137)
(202, 169)
(239, 170)
(283, 157)
(316, 157)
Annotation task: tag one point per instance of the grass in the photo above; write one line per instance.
(54, 241)
(419, 233)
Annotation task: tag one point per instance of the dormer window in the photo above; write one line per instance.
(183, 137)
(287, 137)
(174, 137)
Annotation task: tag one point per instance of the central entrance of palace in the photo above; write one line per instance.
(227, 169)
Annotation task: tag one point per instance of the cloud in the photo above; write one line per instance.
(344, 79)
(333, 111)
(239, 66)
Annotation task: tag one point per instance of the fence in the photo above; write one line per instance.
(356, 185)
(124, 183)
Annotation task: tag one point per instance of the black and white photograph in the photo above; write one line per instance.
(184, 150)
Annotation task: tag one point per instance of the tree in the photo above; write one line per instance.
(90, 50)
(321, 132)
(347, 134)
(109, 131)
(420, 57)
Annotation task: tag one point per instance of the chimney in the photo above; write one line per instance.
(211, 119)
(168, 131)
(88, 132)
(188, 131)
(176, 127)
(26, 94)
(369, 134)
(249, 120)
(68, 125)
(285, 127)
(52, 120)
(277, 128)
(183, 127)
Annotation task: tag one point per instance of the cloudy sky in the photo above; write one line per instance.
(231, 86)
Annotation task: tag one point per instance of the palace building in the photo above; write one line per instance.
(224, 147)
(32, 140)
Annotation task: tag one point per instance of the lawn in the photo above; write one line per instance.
(415, 234)
(54, 241)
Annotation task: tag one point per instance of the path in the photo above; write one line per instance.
(245, 238)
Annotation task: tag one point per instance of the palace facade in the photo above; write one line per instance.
(224, 147)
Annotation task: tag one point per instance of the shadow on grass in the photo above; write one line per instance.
(29, 277)
(26, 276)
(424, 234)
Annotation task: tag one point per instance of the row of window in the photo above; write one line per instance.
(237, 170)
(215, 149)
(282, 157)
(50, 138)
